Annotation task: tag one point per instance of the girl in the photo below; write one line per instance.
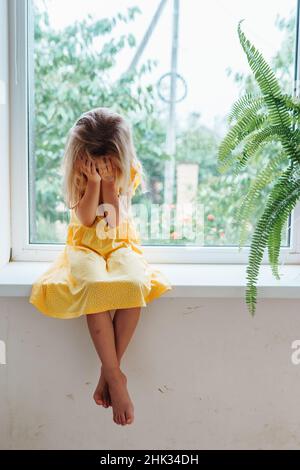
(102, 267)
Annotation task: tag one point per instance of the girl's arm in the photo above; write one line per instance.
(109, 192)
(87, 206)
(110, 197)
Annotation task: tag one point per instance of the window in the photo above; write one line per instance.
(120, 53)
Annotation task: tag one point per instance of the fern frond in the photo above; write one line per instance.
(254, 126)
(290, 102)
(255, 142)
(262, 180)
(274, 243)
(256, 121)
(269, 86)
(249, 122)
(243, 104)
(263, 73)
(281, 201)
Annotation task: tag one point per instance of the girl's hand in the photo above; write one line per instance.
(107, 170)
(90, 168)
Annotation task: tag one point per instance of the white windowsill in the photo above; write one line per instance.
(187, 280)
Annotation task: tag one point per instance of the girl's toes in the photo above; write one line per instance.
(98, 399)
(129, 417)
(106, 396)
(123, 419)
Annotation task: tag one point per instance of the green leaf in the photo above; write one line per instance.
(281, 201)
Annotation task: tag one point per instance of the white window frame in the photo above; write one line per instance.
(22, 250)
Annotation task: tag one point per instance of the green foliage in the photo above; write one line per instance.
(72, 73)
(271, 116)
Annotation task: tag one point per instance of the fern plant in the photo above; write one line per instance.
(255, 121)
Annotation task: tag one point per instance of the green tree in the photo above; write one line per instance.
(71, 75)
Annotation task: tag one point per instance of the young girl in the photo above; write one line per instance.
(102, 267)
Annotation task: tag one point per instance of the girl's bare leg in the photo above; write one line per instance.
(124, 323)
(102, 332)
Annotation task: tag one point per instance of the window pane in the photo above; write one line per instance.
(77, 58)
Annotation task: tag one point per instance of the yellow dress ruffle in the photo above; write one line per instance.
(95, 274)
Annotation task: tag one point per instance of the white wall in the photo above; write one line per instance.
(4, 139)
(202, 373)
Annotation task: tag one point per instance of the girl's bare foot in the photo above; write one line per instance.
(101, 394)
(120, 399)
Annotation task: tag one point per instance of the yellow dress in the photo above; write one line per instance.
(98, 273)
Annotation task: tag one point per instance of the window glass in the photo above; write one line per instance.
(79, 56)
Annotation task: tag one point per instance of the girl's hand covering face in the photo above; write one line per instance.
(89, 168)
(106, 169)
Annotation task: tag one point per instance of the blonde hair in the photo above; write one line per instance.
(97, 133)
